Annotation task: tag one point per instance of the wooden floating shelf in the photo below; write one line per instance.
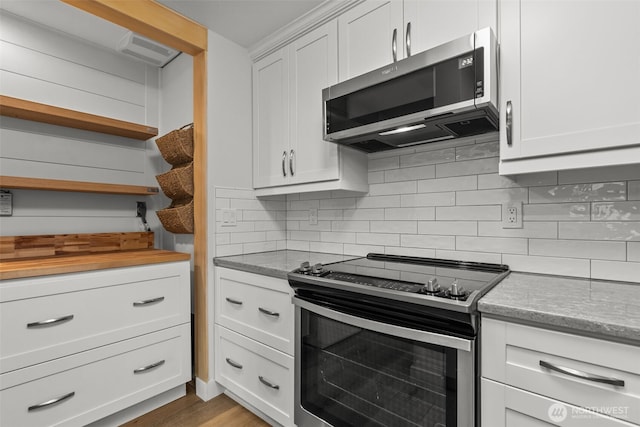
(29, 110)
(21, 183)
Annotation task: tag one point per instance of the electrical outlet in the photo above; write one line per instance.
(313, 216)
(229, 217)
(512, 215)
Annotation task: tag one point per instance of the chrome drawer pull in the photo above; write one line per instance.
(148, 367)
(234, 364)
(50, 322)
(268, 383)
(51, 402)
(147, 301)
(584, 375)
(234, 301)
(269, 312)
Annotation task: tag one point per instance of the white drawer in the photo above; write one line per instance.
(257, 306)
(102, 380)
(100, 308)
(256, 373)
(512, 354)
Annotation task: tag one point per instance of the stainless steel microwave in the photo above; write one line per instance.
(446, 92)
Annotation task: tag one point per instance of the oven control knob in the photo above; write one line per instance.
(431, 287)
(455, 290)
(305, 267)
(316, 269)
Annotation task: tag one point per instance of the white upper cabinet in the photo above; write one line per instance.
(289, 154)
(570, 79)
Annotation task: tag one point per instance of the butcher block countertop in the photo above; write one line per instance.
(43, 266)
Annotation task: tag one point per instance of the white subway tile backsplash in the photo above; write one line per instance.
(240, 227)
(269, 225)
(394, 226)
(419, 252)
(223, 239)
(615, 270)
(609, 173)
(409, 174)
(493, 180)
(298, 245)
(428, 241)
(362, 250)
(578, 249)
(304, 235)
(615, 211)
(633, 251)
(469, 213)
(251, 215)
(344, 203)
(428, 199)
(504, 245)
(320, 226)
(375, 177)
(350, 226)
(383, 239)
(557, 212)
(548, 265)
(428, 157)
(629, 231)
(226, 250)
(467, 167)
(603, 191)
(456, 183)
(384, 163)
(478, 151)
(469, 256)
(363, 214)
(326, 247)
(276, 235)
(492, 197)
(254, 204)
(448, 228)
(338, 237)
(634, 190)
(298, 215)
(378, 202)
(293, 225)
(300, 205)
(247, 237)
(408, 214)
(329, 214)
(249, 248)
(534, 230)
(393, 188)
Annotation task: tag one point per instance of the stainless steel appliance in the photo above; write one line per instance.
(388, 340)
(446, 92)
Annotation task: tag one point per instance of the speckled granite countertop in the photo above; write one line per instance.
(598, 308)
(276, 263)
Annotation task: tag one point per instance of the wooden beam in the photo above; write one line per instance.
(23, 183)
(37, 112)
(150, 19)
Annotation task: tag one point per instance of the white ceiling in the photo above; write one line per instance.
(245, 22)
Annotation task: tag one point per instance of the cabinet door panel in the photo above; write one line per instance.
(573, 82)
(270, 119)
(365, 34)
(314, 66)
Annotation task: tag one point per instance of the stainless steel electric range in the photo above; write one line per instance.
(388, 340)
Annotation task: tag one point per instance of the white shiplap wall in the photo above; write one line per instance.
(42, 65)
(445, 200)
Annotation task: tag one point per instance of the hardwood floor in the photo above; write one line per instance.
(190, 411)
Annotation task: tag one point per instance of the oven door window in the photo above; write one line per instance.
(356, 377)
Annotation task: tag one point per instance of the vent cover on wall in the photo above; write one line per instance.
(146, 50)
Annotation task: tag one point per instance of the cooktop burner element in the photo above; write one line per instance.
(450, 284)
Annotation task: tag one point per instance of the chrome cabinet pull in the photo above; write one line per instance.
(584, 375)
(147, 301)
(284, 159)
(394, 45)
(407, 39)
(291, 159)
(234, 364)
(268, 383)
(509, 123)
(234, 301)
(50, 322)
(148, 367)
(51, 402)
(269, 312)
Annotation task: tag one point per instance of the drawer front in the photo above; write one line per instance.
(104, 385)
(257, 306)
(42, 328)
(258, 374)
(507, 406)
(587, 372)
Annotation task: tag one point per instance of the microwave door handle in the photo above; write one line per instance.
(407, 39)
(394, 45)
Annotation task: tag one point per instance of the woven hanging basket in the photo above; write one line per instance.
(176, 147)
(177, 218)
(177, 184)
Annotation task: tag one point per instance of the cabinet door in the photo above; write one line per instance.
(505, 406)
(366, 35)
(314, 66)
(430, 23)
(573, 81)
(270, 120)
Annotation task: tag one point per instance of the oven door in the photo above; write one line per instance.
(352, 371)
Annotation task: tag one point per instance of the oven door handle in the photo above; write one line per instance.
(386, 328)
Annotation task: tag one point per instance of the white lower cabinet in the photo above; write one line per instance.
(254, 341)
(533, 375)
(78, 347)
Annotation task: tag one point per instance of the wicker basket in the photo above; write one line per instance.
(177, 184)
(177, 218)
(176, 147)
